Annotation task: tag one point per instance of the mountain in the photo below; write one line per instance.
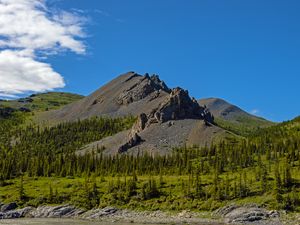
(261, 168)
(128, 94)
(233, 118)
(166, 117)
(40, 102)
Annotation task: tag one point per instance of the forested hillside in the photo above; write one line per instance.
(39, 165)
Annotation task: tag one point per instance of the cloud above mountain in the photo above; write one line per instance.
(29, 32)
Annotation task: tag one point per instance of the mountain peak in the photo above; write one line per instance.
(144, 86)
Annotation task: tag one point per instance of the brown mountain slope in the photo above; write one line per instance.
(166, 118)
(128, 94)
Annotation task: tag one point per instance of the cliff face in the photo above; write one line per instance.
(178, 105)
(146, 86)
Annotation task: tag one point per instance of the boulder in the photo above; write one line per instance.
(65, 211)
(15, 214)
(8, 207)
(245, 214)
(98, 213)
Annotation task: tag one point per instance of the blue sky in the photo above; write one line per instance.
(246, 52)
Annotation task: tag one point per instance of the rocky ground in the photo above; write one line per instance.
(232, 214)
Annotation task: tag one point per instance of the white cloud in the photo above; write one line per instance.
(28, 28)
(22, 73)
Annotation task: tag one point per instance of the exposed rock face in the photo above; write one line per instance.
(140, 124)
(254, 215)
(132, 141)
(246, 214)
(178, 105)
(99, 213)
(145, 87)
(65, 211)
(15, 214)
(8, 207)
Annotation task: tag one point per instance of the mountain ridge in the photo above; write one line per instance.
(233, 118)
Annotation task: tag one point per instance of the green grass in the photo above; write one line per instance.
(243, 125)
(42, 102)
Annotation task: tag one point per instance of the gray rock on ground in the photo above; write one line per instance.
(64, 211)
(8, 207)
(233, 214)
(248, 214)
(16, 214)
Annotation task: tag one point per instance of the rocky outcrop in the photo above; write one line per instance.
(8, 207)
(9, 211)
(99, 213)
(108, 214)
(133, 140)
(65, 211)
(147, 86)
(16, 213)
(246, 214)
(249, 214)
(177, 106)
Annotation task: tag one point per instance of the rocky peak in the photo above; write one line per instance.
(146, 86)
(159, 84)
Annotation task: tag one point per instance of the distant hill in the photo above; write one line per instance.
(41, 102)
(284, 130)
(233, 118)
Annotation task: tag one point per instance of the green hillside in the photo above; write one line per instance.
(41, 102)
(243, 125)
(232, 118)
(35, 163)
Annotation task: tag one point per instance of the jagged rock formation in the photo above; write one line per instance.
(146, 86)
(178, 105)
